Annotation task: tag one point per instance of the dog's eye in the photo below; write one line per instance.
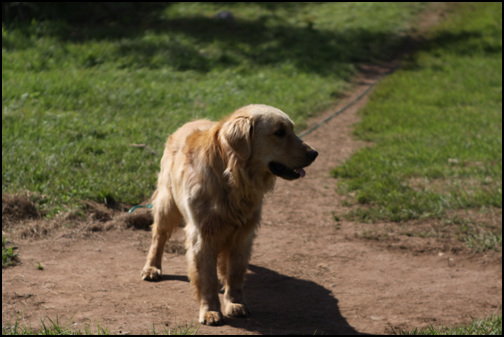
(280, 133)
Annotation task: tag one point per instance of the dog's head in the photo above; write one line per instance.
(261, 139)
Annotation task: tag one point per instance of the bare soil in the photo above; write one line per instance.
(310, 272)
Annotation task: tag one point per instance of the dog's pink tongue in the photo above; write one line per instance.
(301, 172)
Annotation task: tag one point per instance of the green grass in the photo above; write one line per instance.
(75, 95)
(488, 326)
(9, 258)
(54, 327)
(436, 125)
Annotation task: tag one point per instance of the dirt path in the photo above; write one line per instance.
(309, 273)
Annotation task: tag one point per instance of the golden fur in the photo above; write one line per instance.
(213, 178)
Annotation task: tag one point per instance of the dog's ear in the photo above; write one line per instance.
(237, 133)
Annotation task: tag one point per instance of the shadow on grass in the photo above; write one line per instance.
(182, 43)
(260, 42)
(202, 43)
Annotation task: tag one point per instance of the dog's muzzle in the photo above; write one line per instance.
(287, 173)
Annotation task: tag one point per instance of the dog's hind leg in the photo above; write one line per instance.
(166, 218)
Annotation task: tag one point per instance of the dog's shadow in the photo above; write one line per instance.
(284, 305)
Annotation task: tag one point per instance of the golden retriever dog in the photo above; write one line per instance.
(213, 178)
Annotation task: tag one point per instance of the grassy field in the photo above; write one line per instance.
(436, 126)
(75, 96)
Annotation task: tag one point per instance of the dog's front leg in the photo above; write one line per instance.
(233, 267)
(202, 271)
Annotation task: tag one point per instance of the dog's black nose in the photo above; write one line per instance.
(312, 154)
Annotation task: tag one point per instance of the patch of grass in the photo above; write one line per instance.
(77, 93)
(436, 125)
(189, 329)
(488, 326)
(480, 242)
(478, 235)
(9, 258)
(56, 328)
(53, 328)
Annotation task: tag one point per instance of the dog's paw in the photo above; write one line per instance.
(212, 318)
(151, 274)
(236, 310)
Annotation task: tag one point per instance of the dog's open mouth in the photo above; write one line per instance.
(286, 173)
